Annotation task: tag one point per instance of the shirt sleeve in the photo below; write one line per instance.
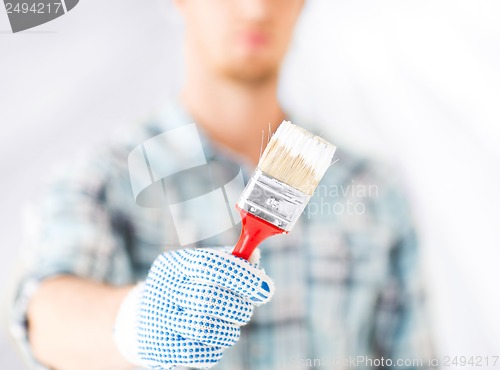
(73, 231)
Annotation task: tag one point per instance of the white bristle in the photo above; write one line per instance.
(297, 157)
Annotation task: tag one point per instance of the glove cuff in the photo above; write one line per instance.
(126, 327)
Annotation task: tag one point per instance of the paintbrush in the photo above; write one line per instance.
(287, 174)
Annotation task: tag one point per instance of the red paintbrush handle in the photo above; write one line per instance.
(253, 231)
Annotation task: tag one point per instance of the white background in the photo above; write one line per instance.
(415, 82)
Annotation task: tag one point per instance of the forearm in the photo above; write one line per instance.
(71, 323)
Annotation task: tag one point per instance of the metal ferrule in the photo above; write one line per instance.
(273, 201)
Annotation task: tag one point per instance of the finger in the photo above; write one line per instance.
(202, 328)
(169, 350)
(210, 300)
(165, 287)
(254, 257)
(223, 269)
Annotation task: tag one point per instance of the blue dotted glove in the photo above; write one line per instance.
(190, 308)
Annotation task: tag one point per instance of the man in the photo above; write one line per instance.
(346, 278)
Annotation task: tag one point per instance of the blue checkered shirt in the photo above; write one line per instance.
(348, 280)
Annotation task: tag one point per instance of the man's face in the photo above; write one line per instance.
(243, 40)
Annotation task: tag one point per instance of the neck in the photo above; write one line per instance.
(234, 113)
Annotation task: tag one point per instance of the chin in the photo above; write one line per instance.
(252, 70)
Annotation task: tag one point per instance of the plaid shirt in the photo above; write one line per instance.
(347, 276)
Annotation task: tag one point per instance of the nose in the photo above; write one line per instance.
(255, 10)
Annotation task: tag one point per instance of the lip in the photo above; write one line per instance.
(254, 38)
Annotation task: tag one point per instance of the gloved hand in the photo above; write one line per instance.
(189, 309)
